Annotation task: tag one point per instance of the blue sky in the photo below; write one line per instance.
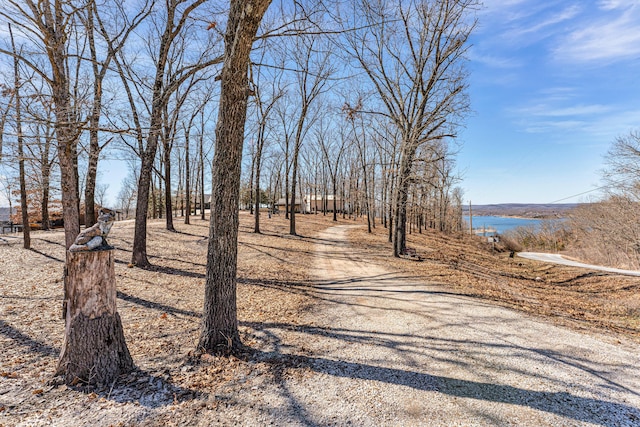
(552, 84)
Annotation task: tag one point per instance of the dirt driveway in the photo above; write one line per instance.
(391, 350)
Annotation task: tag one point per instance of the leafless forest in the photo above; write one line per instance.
(338, 118)
(344, 108)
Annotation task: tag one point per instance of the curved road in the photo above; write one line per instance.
(389, 349)
(559, 259)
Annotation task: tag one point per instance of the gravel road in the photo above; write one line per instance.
(559, 259)
(394, 350)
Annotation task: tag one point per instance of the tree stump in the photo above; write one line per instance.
(94, 351)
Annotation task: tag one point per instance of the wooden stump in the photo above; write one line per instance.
(94, 351)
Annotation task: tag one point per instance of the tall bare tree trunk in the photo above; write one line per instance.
(294, 181)
(220, 322)
(26, 229)
(253, 168)
(46, 163)
(159, 99)
(54, 28)
(263, 114)
(94, 122)
(46, 221)
(139, 254)
(256, 223)
(202, 201)
(187, 177)
(167, 184)
(256, 227)
(402, 195)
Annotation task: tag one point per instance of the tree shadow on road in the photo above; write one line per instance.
(565, 404)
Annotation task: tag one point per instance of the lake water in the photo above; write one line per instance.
(501, 223)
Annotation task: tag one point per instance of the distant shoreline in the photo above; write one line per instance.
(522, 210)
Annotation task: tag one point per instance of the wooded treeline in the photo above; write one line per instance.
(358, 111)
(351, 107)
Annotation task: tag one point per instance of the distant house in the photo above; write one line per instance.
(195, 202)
(281, 205)
(317, 203)
(5, 214)
(314, 203)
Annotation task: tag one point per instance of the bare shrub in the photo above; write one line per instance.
(510, 244)
(607, 232)
(550, 235)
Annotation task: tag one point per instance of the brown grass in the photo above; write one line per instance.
(584, 299)
(160, 308)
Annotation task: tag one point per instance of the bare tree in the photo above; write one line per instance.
(607, 231)
(43, 154)
(127, 194)
(220, 321)
(333, 146)
(178, 13)
(99, 67)
(286, 135)
(199, 110)
(201, 162)
(313, 66)
(360, 142)
(622, 165)
(168, 135)
(413, 54)
(264, 108)
(5, 115)
(26, 229)
(49, 23)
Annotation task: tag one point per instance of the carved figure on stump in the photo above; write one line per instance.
(95, 237)
(94, 351)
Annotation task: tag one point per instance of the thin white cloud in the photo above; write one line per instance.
(614, 124)
(547, 126)
(502, 13)
(545, 110)
(559, 94)
(617, 4)
(493, 6)
(608, 39)
(564, 15)
(594, 123)
(558, 115)
(494, 61)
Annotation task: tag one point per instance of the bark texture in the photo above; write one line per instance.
(94, 351)
(220, 322)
